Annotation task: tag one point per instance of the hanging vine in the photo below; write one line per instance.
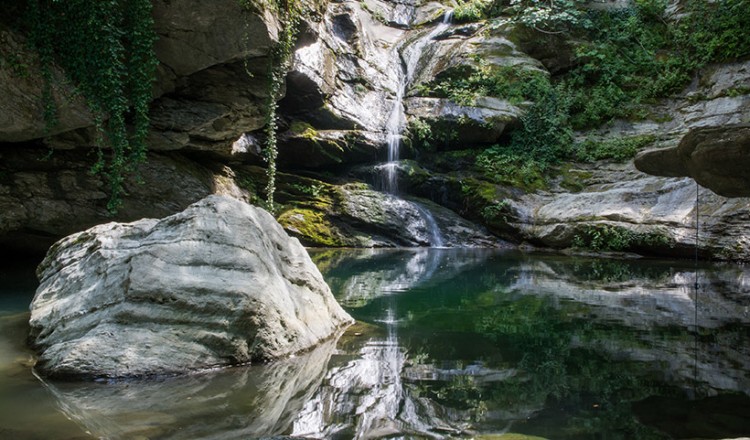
(280, 58)
(106, 50)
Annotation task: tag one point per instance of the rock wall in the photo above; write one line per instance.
(348, 66)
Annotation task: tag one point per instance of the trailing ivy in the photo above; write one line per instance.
(279, 59)
(106, 50)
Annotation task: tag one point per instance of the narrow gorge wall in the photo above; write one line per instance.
(208, 113)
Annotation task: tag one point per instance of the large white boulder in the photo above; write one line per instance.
(218, 284)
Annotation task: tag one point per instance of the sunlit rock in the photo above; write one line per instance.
(218, 284)
(629, 202)
(482, 122)
(392, 220)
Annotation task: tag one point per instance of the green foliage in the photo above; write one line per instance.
(617, 149)
(634, 56)
(106, 49)
(544, 138)
(496, 211)
(470, 10)
(734, 92)
(626, 58)
(279, 59)
(430, 135)
(502, 165)
(546, 135)
(311, 190)
(550, 16)
(421, 133)
(604, 237)
(465, 83)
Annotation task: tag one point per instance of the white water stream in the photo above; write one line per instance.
(410, 55)
(397, 119)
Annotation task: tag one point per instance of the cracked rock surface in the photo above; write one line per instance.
(218, 284)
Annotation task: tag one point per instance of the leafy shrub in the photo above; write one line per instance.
(501, 165)
(618, 149)
(614, 238)
(465, 83)
(550, 17)
(635, 55)
(470, 10)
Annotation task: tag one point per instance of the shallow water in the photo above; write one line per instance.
(465, 343)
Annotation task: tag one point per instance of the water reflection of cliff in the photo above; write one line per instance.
(235, 403)
(460, 342)
(359, 276)
(559, 326)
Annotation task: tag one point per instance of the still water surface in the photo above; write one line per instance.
(450, 343)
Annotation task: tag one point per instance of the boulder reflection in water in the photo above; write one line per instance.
(241, 402)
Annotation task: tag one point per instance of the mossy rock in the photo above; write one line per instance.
(574, 179)
(311, 227)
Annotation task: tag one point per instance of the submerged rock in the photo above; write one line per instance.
(217, 284)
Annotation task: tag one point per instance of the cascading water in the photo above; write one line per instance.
(397, 119)
(370, 389)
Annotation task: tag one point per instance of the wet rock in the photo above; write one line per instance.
(309, 148)
(345, 79)
(718, 158)
(356, 215)
(459, 46)
(391, 220)
(217, 284)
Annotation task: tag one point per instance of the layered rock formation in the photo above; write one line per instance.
(716, 157)
(217, 284)
(351, 62)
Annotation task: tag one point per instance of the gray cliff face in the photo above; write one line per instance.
(716, 157)
(217, 284)
(706, 136)
(621, 197)
(354, 63)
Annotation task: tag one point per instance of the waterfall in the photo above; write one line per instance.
(397, 119)
(436, 238)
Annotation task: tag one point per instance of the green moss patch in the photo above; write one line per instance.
(311, 227)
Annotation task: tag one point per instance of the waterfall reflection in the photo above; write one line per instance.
(485, 341)
(457, 342)
(366, 397)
